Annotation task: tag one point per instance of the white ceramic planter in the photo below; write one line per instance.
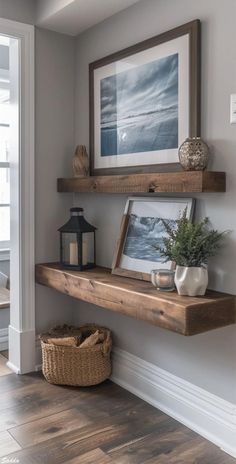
(191, 281)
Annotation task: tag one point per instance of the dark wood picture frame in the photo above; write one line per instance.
(117, 269)
(193, 29)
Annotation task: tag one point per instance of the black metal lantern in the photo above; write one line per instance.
(77, 242)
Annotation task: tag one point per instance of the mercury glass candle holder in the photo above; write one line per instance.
(163, 279)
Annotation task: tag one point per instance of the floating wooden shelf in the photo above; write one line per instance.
(140, 300)
(162, 182)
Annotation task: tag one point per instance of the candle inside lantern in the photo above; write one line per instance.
(77, 242)
(74, 253)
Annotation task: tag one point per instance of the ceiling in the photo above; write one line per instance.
(75, 16)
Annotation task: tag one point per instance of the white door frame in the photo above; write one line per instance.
(22, 298)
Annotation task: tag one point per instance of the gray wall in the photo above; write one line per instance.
(207, 360)
(55, 80)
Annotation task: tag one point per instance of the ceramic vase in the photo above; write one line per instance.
(194, 154)
(191, 281)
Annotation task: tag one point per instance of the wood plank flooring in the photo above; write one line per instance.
(7, 444)
(47, 424)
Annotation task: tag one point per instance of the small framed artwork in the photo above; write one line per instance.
(144, 102)
(141, 230)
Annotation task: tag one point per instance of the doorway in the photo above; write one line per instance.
(4, 200)
(17, 194)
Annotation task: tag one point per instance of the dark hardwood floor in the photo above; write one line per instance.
(46, 424)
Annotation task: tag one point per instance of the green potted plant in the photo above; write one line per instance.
(190, 246)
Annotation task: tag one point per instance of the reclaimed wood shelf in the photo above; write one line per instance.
(4, 298)
(140, 300)
(162, 182)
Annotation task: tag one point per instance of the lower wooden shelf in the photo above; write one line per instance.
(140, 300)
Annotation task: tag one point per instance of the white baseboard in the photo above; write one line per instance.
(4, 339)
(13, 368)
(201, 411)
(21, 350)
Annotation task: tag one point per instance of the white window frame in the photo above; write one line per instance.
(4, 245)
(22, 297)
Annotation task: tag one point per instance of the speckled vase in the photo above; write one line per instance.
(194, 154)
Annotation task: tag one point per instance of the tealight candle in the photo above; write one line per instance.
(163, 279)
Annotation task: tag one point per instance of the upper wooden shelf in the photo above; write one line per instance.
(162, 182)
(140, 300)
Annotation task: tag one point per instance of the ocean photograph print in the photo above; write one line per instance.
(143, 103)
(139, 109)
(142, 232)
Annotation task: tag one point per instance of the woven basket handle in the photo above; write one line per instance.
(106, 346)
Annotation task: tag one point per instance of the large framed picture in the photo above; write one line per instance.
(144, 102)
(141, 230)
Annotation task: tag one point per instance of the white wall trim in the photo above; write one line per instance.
(20, 343)
(201, 411)
(22, 312)
(13, 368)
(3, 339)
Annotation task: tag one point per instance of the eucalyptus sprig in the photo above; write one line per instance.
(189, 244)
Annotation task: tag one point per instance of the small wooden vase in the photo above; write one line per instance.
(80, 162)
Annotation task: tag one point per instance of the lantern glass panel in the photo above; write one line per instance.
(88, 248)
(70, 254)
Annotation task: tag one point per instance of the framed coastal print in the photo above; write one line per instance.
(144, 102)
(141, 230)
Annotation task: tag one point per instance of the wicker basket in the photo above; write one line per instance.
(69, 365)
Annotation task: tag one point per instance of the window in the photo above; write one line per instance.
(4, 188)
(4, 161)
